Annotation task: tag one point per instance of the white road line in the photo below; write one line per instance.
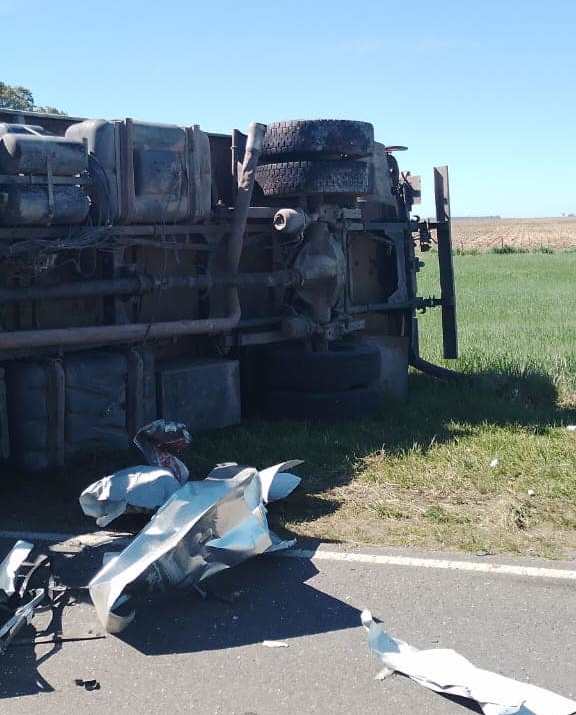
(444, 564)
(102, 537)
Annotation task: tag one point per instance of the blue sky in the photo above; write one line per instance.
(487, 87)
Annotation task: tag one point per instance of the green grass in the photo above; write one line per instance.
(420, 474)
(516, 316)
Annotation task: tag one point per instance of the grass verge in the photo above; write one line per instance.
(487, 466)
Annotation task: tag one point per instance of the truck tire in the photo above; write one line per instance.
(315, 177)
(342, 367)
(303, 139)
(331, 406)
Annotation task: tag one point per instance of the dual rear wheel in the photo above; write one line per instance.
(323, 156)
(335, 384)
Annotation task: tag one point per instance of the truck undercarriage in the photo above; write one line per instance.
(150, 270)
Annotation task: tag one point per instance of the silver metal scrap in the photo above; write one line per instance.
(205, 527)
(446, 671)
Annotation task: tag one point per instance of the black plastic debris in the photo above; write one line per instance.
(87, 684)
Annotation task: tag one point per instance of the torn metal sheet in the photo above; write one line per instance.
(445, 671)
(132, 489)
(205, 527)
(277, 483)
(13, 561)
(141, 488)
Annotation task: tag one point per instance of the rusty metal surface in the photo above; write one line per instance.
(196, 279)
(202, 393)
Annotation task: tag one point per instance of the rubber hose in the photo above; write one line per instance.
(429, 368)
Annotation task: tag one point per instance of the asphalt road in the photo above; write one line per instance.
(185, 654)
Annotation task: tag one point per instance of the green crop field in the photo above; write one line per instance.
(486, 466)
(516, 314)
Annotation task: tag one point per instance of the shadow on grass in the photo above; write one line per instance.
(436, 413)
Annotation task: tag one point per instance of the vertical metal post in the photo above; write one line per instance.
(444, 237)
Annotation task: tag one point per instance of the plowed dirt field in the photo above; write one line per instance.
(531, 234)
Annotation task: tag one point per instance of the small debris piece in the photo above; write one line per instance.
(383, 674)
(531, 492)
(275, 644)
(494, 463)
(571, 428)
(87, 684)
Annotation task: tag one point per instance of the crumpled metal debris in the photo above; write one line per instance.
(141, 488)
(204, 527)
(17, 601)
(445, 671)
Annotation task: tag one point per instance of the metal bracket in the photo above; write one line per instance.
(444, 238)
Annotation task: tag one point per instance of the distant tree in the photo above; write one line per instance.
(49, 110)
(15, 97)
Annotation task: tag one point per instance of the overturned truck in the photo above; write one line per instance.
(151, 270)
